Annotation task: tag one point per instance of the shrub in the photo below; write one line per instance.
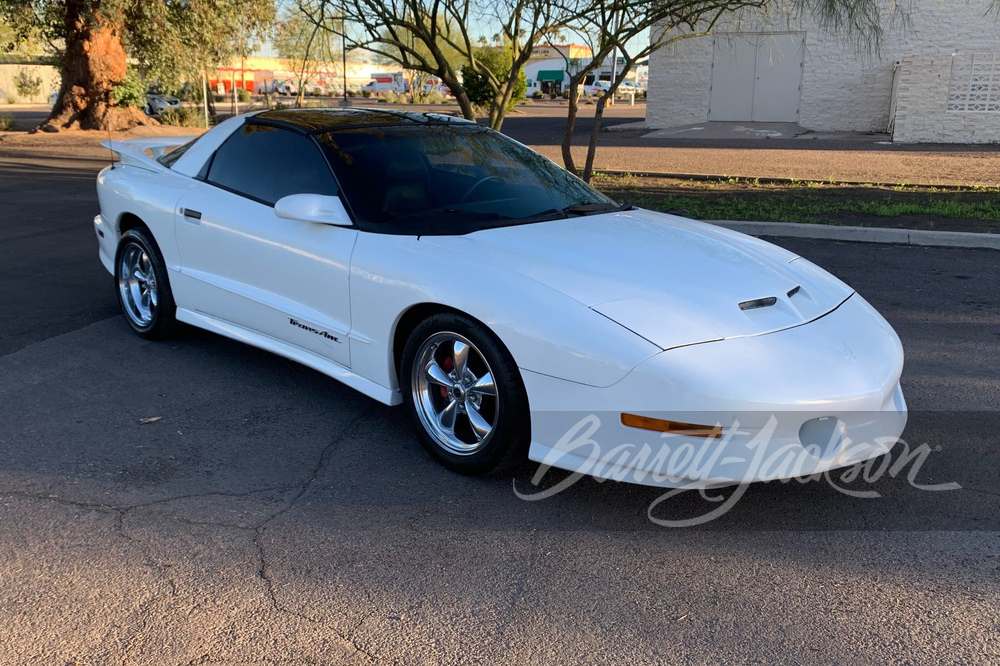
(243, 95)
(11, 99)
(26, 84)
(130, 92)
(186, 116)
(498, 61)
(367, 93)
(434, 97)
(390, 97)
(538, 94)
(6, 122)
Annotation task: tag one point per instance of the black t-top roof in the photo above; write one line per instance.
(314, 121)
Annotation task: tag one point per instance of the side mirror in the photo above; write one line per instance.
(317, 208)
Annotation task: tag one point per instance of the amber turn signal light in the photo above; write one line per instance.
(675, 427)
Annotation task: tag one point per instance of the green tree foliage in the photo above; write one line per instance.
(173, 42)
(26, 84)
(499, 61)
(130, 92)
(169, 41)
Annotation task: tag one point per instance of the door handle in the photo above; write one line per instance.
(193, 214)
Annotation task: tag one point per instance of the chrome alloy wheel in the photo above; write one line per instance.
(454, 392)
(137, 285)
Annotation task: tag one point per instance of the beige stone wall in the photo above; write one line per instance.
(923, 112)
(8, 91)
(842, 88)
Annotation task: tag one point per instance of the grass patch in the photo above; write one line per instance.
(966, 209)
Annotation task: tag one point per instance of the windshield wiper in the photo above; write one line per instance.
(599, 207)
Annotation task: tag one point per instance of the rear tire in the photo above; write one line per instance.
(142, 286)
(464, 396)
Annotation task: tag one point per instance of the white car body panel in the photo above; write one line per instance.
(632, 311)
(242, 263)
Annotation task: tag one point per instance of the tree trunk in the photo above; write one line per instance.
(595, 132)
(209, 98)
(462, 97)
(567, 142)
(93, 63)
(498, 109)
(464, 103)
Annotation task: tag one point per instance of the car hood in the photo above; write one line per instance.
(670, 280)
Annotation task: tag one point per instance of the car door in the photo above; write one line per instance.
(242, 264)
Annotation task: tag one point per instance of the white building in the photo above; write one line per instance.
(936, 78)
(547, 76)
(552, 75)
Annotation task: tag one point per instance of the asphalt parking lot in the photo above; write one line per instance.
(271, 515)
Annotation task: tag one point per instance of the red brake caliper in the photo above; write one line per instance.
(448, 366)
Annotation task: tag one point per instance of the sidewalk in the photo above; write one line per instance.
(753, 150)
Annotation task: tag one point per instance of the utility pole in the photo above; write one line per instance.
(204, 96)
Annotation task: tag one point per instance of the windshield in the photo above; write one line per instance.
(450, 179)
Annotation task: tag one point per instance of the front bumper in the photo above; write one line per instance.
(792, 403)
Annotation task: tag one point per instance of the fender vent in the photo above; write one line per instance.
(758, 303)
(794, 290)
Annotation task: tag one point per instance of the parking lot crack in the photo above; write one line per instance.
(146, 551)
(259, 529)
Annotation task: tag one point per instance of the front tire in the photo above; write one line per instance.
(464, 396)
(142, 286)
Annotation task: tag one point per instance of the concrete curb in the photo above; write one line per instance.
(916, 237)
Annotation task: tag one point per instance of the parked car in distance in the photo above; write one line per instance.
(596, 88)
(388, 82)
(437, 87)
(157, 103)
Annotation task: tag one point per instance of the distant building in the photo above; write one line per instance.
(936, 79)
(549, 72)
(561, 51)
(261, 74)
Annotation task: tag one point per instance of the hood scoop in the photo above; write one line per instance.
(758, 303)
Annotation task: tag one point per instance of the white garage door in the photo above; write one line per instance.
(756, 77)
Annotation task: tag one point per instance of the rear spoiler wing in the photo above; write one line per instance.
(143, 153)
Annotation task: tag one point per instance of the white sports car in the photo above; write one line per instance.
(512, 309)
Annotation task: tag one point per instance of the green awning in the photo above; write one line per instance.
(550, 75)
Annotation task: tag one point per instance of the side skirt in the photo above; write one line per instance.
(378, 392)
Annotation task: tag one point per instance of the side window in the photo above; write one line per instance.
(267, 163)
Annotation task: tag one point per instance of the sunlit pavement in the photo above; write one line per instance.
(271, 515)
